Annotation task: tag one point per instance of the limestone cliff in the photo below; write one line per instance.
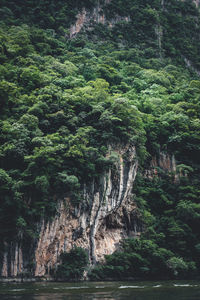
(104, 217)
(87, 18)
(163, 161)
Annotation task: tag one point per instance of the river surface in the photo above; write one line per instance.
(164, 290)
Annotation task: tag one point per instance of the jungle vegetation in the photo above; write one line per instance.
(64, 101)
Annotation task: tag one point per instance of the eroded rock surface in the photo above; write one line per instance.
(96, 15)
(104, 217)
(165, 162)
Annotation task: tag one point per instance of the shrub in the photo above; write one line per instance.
(72, 264)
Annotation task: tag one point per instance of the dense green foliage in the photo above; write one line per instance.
(169, 246)
(72, 265)
(64, 101)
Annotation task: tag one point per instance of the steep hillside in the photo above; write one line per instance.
(100, 137)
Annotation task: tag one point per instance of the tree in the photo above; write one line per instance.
(177, 266)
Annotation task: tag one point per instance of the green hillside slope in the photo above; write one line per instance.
(64, 101)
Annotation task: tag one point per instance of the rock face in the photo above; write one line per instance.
(164, 161)
(96, 15)
(104, 217)
(12, 261)
(190, 66)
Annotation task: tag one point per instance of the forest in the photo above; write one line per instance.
(64, 101)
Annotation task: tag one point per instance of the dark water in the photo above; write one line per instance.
(165, 290)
